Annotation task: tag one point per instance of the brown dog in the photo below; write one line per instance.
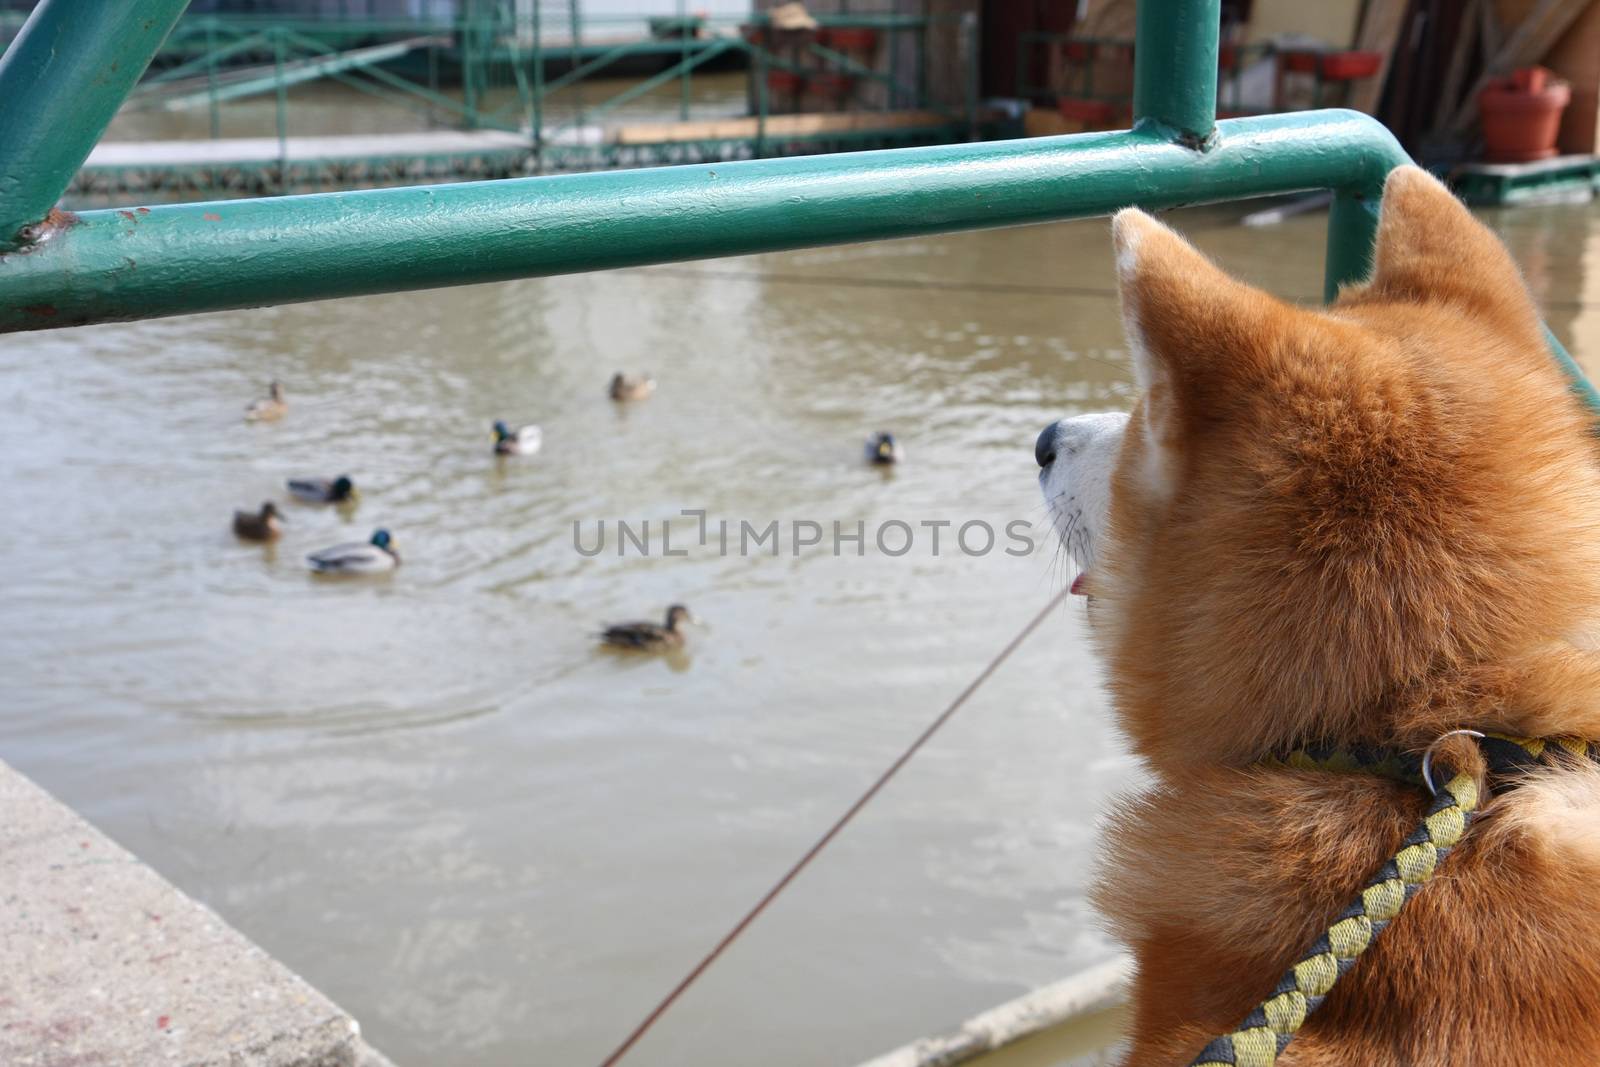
(1361, 525)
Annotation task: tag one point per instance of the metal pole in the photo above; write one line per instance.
(892, 38)
(538, 91)
(922, 61)
(282, 97)
(1175, 68)
(63, 78)
(469, 64)
(969, 30)
(211, 256)
(211, 78)
(575, 33)
(433, 79)
(759, 54)
(1352, 230)
(683, 58)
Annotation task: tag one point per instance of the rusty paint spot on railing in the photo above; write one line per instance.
(35, 234)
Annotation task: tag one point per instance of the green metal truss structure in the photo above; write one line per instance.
(209, 60)
(74, 62)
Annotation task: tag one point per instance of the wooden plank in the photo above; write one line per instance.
(1576, 57)
(1381, 24)
(778, 126)
(1528, 43)
(1467, 35)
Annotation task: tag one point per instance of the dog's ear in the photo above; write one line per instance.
(1196, 335)
(1431, 250)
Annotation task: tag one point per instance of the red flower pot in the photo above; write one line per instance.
(849, 38)
(1085, 110)
(1349, 66)
(783, 82)
(1300, 62)
(1521, 116)
(830, 83)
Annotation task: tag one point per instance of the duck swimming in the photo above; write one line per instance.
(883, 449)
(267, 525)
(521, 442)
(323, 490)
(357, 557)
(627, 387)
(649, 636)
(272, 406)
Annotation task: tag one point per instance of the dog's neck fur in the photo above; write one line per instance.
(1365, 525)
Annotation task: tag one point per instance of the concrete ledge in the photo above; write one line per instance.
(102, 962)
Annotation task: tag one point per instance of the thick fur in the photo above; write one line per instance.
(1366, 524)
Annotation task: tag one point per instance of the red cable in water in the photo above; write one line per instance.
(833, 831)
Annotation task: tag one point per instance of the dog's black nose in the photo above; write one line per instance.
(1044, 449)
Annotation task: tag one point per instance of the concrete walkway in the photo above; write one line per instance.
(103, 963)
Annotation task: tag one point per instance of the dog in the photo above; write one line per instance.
(1368, 524)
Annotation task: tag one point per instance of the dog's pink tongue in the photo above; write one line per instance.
(1078, 583)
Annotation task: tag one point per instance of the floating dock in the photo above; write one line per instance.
(1077, 1021)
(261, 166)
(1563, 178)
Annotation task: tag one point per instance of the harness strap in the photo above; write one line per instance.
(1267, 1030)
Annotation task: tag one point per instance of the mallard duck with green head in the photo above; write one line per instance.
(631, 387)
(338, 490)
(357, 557)
(270, 407)
(524, 441)
(263, 525)
(649, 636)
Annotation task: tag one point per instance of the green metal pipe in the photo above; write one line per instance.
(212, 54)
(1582, 387)
(655, 81)
(69, 69)
(177, 259)
(293, 72)
(1352, 231)
(1175, 67)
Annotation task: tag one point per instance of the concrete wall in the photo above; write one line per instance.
(103, 962)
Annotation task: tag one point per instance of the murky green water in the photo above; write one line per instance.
(430, 793)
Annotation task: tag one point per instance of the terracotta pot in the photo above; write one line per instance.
(830, 83)
(849, 38)
(784, 82)
(1085, 110)
(1350, 66)
(1521, 116)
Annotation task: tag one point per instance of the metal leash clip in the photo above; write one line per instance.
(1427, 756)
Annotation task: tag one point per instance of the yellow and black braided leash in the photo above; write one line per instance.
(1266, 1031)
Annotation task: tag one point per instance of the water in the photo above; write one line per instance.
(433, 796)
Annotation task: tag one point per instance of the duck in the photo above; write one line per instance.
(649, 636)
(627, 387)
(270, 407)
(883, 449)
(357, 557)
(323, 490)
(267, 525)
(521, 442)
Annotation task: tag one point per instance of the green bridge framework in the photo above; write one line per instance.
(498, 53)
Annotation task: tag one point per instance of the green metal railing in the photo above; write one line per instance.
(106, 266)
